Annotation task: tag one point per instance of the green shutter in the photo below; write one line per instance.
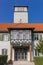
(0, 37)
(9, 37)
(2, 51)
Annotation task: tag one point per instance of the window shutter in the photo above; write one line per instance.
(1, 37)
(2, 51)
(9, 37)
(5, 51)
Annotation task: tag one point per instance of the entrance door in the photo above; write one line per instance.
(20, 54)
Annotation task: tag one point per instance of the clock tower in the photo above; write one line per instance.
(20, 14)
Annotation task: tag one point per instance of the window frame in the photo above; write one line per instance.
(36, 36)
(21, 9)
(4, 51)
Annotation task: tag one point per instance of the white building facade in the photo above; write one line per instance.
(18, 39)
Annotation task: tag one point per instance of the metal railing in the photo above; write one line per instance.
(22, 42)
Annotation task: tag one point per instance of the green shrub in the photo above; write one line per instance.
(3, 59)
(38, 60)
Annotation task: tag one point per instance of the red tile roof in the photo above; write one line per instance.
(5, 26)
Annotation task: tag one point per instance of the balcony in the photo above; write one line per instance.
(21, 42)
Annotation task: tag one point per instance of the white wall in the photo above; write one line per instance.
(21, 15)
(5, 45)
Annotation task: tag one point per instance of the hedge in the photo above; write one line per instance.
(3, 59)
(38, 60)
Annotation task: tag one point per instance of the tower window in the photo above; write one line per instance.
(20, 9)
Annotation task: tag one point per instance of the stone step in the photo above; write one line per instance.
(23, 63)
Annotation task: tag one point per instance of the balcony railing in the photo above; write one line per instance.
(20, 42)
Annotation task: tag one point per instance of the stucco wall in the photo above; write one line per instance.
(5, 45)
(21, 15)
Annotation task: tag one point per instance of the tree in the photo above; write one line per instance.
(39, 45)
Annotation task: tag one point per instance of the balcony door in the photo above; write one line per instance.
(20, 54)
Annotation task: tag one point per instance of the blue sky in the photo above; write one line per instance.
(35, 10)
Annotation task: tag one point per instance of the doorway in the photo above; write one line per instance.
(20, 54)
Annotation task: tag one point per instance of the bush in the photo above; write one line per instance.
(3, 59)
(1, 63)
(38, 60)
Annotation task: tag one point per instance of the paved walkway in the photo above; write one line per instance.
(23, 63)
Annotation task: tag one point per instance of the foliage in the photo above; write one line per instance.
(3, 59)
(38, 60)
(39, 45)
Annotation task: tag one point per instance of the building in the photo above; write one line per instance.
(18, 39)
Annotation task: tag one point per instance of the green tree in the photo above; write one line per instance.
(39, 45)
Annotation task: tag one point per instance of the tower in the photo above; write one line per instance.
(20, 14)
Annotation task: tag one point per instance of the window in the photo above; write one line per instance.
(20, 35)
(36, 36)
(27, 36)
(4, 51)
(21, 9)
(8, 37)
(36, 52)
(24, 36)
(5, 37)
(15, 35)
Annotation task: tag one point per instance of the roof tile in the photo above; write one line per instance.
(5, 26)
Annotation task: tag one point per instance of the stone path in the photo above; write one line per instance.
(23, 63)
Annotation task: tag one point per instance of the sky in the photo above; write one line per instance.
(35, 10)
